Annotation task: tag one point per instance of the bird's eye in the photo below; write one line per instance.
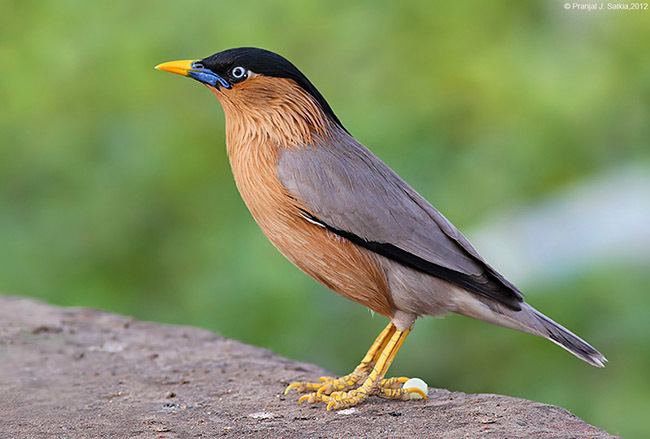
(238, 72)
(198, 65)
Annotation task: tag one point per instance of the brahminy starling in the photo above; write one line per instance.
(345, 218)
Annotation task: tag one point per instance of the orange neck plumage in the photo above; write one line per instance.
(271, 111)
(264, 115)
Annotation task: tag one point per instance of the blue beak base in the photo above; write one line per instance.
(207, 76)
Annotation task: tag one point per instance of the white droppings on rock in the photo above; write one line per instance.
(418, 384)
(261, 415)
(347, 411)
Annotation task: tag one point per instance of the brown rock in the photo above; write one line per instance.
(72, 372)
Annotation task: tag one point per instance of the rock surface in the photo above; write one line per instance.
(72, 372)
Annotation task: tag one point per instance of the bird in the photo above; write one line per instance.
(345, 218)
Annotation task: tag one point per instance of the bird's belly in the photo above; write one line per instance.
(335, 262)
(421, 294)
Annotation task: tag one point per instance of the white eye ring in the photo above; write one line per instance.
(238, 72)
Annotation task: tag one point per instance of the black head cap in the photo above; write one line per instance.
(265, 63)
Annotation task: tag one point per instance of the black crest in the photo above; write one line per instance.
(266, 63)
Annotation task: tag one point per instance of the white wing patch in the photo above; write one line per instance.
(311, 220)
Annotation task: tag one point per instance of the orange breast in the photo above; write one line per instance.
(335, 262)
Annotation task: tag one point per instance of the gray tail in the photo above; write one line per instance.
(529, 320)
(568, 340)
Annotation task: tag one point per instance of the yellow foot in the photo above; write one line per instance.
(402, 394)
(367, 378)
(337, 400)
(327, 385)
(390, 388)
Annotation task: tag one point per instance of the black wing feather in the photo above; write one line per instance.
(417, 263)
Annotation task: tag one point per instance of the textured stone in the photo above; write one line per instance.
(73, 372)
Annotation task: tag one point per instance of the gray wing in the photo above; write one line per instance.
(351, 192)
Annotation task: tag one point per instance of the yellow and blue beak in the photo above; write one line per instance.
(194, 70)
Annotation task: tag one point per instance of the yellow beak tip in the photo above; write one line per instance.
(178, 67)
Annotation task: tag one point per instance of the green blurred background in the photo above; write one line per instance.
(115, 189)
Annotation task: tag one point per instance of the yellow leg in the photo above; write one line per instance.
(371, 385)
(327, 385)
(370, 372)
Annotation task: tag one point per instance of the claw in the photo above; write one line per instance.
(313, 397)
(393, 383)
(302, 387)
(310, 398)
(403, 394)
(342, 400)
